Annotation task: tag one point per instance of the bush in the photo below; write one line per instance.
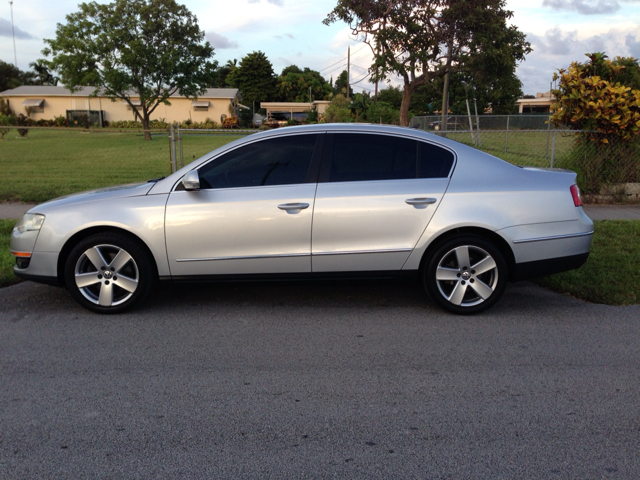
(591, 96)
(383, 112)
(61, 121)
(338, 111)
(230, 122)
(312, 116)
(25, 121)
(601, 164)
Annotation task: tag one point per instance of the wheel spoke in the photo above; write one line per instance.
(462, 254)
(458, 293)
(129, 284)
(484, 265)
(86, 279)
(482, 289)
(120, 260)
(95, 257)
(444, 273)
(106, 295)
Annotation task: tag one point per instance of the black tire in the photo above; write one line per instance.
(109, 273)
(464, 289)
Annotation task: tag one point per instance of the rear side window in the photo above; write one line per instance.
(278, 161)
(367, 157)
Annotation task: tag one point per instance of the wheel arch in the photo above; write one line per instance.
(82, 234)
(497, 240)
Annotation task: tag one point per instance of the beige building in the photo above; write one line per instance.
(48, 102)
(289, 109)
(541, 104)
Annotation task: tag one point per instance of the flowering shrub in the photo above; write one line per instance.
(230, 122)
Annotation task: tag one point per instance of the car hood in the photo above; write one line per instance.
(116, 191)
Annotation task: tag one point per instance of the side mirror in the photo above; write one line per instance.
(191, 181)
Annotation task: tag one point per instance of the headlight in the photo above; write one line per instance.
(29, 222)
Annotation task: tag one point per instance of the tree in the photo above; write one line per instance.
(43, 74)
(293, 85)
(592, 97)
(10, 76)
(498, 92)
(421, 40)
(342, 82)
(390, 95)
(222, 72)
(13, 77)
(150, 49)
(254, 77)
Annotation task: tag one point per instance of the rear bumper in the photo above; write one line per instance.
(548, 266)
(55, 281)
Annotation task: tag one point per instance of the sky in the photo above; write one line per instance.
(291, 32)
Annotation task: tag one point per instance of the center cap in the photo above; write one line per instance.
(108, 274)
(466, 275)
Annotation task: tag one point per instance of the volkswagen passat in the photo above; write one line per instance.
(314, 201)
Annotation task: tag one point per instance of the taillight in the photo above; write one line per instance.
(575, 193)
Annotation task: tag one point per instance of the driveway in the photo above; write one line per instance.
(318, 380)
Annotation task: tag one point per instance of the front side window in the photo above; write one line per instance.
(368, 157)
(277, 161)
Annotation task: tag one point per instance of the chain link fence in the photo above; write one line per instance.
(482, 122)
(186, 145)
(40, 163)
(37, 164)
(606, 165)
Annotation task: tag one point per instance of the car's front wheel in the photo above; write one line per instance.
(109, 273)
(466, 275)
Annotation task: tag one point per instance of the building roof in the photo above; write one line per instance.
(53, 91)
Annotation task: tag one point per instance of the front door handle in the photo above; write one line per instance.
(421, 201)
(293, 206)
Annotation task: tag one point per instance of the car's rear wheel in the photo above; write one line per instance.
(109, 273)
(466, 275)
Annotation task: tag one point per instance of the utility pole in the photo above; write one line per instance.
(13, 32)
(445, 92)
(377, 55)
(348, 69)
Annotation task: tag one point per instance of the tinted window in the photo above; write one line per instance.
(361, 157)
(433, 161)
(279, 161)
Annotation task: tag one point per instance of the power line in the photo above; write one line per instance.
(360, 80)
(343, 59)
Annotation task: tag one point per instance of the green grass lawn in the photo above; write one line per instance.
(610, 275)
(51, 163)
(6, 260)
(526, 148)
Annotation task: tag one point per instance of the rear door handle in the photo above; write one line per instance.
(293, 206)
(421, 201)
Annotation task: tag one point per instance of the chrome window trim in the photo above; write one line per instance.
(284, 255)
(248, 257)
(555, 237)
(359, 252)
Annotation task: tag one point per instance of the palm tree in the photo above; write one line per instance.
(42, 72)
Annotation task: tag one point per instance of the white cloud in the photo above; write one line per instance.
(585, 7)
(6, 31)
(219, 41)
(558, 47)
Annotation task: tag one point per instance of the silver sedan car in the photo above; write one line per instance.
(344, 200)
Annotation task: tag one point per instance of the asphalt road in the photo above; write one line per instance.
(320, 380)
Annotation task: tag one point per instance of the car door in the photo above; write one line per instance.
(252, 214)
(375, 196)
